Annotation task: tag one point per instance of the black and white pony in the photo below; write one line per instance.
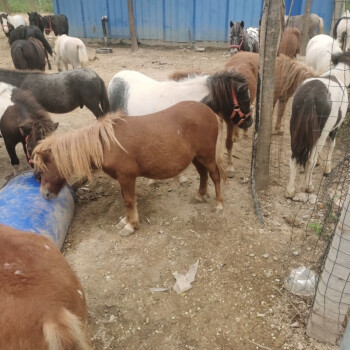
(10, 22)
(243, 39)
(319, 108)
(341, 31)
(56, 23)
(25, 32)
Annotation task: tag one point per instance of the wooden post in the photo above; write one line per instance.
(332, 300)
(270, 35)
(132, 29)
(305, 32)
(339, 9)
(5, 6)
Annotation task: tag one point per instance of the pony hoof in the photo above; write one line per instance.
(230, 174)
(127, 230)
(289, 195)
(219, 208)
(201, 199)
(121, 223)
(183, 180)
(309, 189)
(152, 183)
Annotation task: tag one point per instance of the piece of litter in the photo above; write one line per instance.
(160, 289)
(183, 282)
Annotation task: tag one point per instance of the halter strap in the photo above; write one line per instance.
(29, 158)
(239, 47)
(50, 28)
(237, 110)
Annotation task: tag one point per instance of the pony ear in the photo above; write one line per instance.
(242, 24)
(231, 24)
(56, 125)
(26, 128)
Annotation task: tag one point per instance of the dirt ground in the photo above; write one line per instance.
(237, 300)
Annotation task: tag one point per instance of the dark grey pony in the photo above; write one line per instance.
(314, 22)
(64, 91)
(243, 39)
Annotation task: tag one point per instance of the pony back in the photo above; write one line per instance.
(42, 302)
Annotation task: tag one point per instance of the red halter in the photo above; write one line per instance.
(50, 28)
(237, 109)
(29, 158)
(239, 47)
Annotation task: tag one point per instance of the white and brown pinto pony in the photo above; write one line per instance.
(70, 50)
(10, 22)
(319, 51)
(319, 108)
(156, 146)
(226, 93)
(42, 303)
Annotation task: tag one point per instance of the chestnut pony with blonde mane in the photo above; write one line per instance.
(42, 304)
(289, 74)
(157, 146)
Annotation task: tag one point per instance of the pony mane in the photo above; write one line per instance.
(78, 151)
(183, 75)
(293, 74)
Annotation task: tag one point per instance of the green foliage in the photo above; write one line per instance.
(317, 227)
(24, 6)
(347, 5)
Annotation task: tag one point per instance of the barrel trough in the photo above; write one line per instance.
(23, 207)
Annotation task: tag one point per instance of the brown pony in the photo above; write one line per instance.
(157, 146)
(42, 304)
(28, 54)
(290, 42)
(289, 74)
(24, 121)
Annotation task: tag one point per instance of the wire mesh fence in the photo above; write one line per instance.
(317, 266)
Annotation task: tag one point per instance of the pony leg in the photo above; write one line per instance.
(202, 194)
(282, 102)
(290, 192)
(131, 219)
(309, 167)
(215, 176)
(229, 145)
(331, 142)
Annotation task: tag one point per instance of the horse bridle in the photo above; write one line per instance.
(239, 47)
(237, 110)
(29, 157)
(50, 28)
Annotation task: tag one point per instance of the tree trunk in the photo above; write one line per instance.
(270, 34)
(132, 29)
(5, 6)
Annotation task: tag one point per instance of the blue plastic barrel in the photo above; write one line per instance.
(23, 207)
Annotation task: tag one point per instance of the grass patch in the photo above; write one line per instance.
(21, 6)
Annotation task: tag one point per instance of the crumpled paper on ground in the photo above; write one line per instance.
(183, 282)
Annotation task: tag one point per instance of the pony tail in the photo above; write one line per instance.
(104, 100)
(304, 130)
(68, 332)
(83, 57)
(219, 149)
(320, 26)
(17, 56)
